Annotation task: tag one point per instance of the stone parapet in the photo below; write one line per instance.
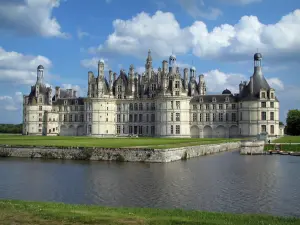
(252, 147)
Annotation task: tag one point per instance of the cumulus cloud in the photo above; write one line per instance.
(11, 103)
(81, 34)
(240, 2)
(17, 68)
(93, 63)
(30, 17)
(162, 33)
(197, 8)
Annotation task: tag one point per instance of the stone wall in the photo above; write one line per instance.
(117, 154)
(252, 147)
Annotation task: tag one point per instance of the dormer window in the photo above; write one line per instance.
(201, 100)
(272, 95)
(263, 94)
(76, 102)
(226, 99)
(177, 84)
(65, 102)
(214, 99)
(119, 88)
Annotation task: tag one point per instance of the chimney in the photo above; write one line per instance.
(57, 92)
(74, 94)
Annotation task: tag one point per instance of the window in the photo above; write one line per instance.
(40, 130)
(200, 117)
(177, 93)
(271, 104)
(171, 129)
(171, 104)
(263, 116)
(76, 118)
(194, 107)
(118, 129)
(40, 100)
(147, 119)
(233, 106)
(272, 95)
(263, 104)
(81, 118)
(135, 118)
(271, 115)
(221, 117)
(214, 106)
(207, 119)
(214, 117)
(119, 96)
(226, 99)
(177, 116)
(130, 106)
(76, 108)
(65, 118)
(227, 117)
(172, 118)
(140, 129)
(90, 117)
(40, 108)
(65, 108)
(214, 99)
(118, 118)
(124, 118)
(119, 88)
(118, 107)
(153, 87)
(194, 117)
(152, 130)
(152, 106)
(177, 104)
(152, 117)
(177, 129)
(135, 106)
(241, 105)
(130, 129)
(140, 117)
(220, 106)
(207, 106)
(227, 106)
(177, 84)
(233, 117)
(263, 128)
(200, 107)
(141, 106)
(241, 115)
(90, 129)
(263, 94)
(71, 118)
(201, 99)
(272, 129)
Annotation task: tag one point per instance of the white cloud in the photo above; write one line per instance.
(108, 1)
(81, 34)
(276, 83)
(17, 68)
(240, 2)
(93, 63)
(30, 17)
(162, 33)
(11, 103)
(197, 8)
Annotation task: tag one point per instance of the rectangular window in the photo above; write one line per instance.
(76, 118)
(152, 117)
(130, 129)
(81, 118)
(271, 115)
(221, 117)
(200, 117)
(171, 129)
(227, 106)
(172, 105)
(177, 104)
(141, 106)
(135, 118)
(147, 106)
(271, 104)
(263, 104)
(233, 117)
(152, 130)
(263, 116)
(263, 128)
(263, 94)
(194, 107)
(90, 129)
(233, 106)
(241, 115)
(140, 129)
(272, 95)
(147, 118)
(152, 106)
(172, 118)
(272, 129)
(214, 106)
(177, 84)
(118, 129)
(177, 129)
(118, 118)
(207, 106)
(71, 118)
(200, 107)
(227, 117)
(207, 119)
(65, 118)
(90, 117)
(135, 106)
(124, 118)
(118, 107)
(241, 105)
(220, 106)
(119, 88)
(194, 117)
(40, 108)
(177, 116)
(214, 117)
(140, 117)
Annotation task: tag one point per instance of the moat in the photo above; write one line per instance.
(225, 182)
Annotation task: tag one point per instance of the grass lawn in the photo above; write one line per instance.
(20, 212)
(288, 139)
(109, 142)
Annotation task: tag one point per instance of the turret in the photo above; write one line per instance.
(202, 85)
(172, 63)
(131, 79)
(165, 67)
(111, 81)
(57, 92)
(101, 69)
(148, 65)
(186, 78)
(193, 73)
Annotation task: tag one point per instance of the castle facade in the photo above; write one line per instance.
(157, 104)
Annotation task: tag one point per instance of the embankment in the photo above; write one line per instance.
(116, 154)
(252, 147)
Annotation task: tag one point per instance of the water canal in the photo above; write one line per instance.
(224, 182)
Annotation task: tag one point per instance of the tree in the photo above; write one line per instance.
(11, 128)
(293, 122)
(280, 123)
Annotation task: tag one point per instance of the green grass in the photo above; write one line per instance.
(108, 142)
(284, 147)
(288, 139)
(37, 213)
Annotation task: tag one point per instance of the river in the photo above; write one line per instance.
(225, 182)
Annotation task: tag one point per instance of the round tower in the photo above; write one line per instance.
(40, 74)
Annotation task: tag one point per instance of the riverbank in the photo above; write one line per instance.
(40, 213)
(116, 154)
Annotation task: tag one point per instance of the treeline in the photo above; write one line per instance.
(11, 128)
(293, 122)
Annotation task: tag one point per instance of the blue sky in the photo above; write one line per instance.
(218, 37)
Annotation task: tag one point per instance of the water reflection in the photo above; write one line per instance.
(224, 182)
